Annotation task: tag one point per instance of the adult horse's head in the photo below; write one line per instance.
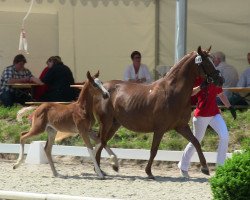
(97, 85)
(207, 67)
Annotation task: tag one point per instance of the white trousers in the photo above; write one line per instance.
(199, 128)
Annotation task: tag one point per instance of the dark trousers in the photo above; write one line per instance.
(9, 98)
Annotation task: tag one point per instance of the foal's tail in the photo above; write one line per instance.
(23, 112)
(63, 135)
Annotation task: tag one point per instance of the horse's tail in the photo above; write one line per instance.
(23, 111)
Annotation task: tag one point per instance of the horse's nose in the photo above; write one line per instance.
(220, 80)
(105, 95)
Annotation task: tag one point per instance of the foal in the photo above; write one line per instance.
(74, 117)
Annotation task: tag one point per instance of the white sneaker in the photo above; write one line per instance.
(184, 173)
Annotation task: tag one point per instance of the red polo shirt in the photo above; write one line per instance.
(206, 100)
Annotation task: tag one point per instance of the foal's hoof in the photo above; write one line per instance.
(57, 175)
(115, 168)
(15, 166)
(205, 170)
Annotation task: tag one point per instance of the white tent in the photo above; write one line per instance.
(101, 34)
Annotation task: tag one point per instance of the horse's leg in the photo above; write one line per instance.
(113, 157)
(105, 124)
(21, 153)
(86, 140)
(154, 148)
(98, 145)
(48, 148)
(187, 133)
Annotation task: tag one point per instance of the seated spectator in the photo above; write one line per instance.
(245, 76)
(228, 72)
(244, 81)
(15, 73)
(58, 78)
(41, 90)
(137, 72)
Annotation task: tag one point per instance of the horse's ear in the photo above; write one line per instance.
(97, 74)
(199, 51)
(208, 50)
(89, 76)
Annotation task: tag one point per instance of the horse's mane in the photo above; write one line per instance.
(185, 60)
(83, 91)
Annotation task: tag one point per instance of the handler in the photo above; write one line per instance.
(207, 113)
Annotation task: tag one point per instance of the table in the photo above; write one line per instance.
(77, 86)
(41, 102)
(238, 89)
(24, 86)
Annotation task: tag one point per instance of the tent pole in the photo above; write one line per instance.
(181, 29)
(157, 35)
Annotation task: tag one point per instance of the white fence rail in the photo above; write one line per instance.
(138, 154)
(10, 195)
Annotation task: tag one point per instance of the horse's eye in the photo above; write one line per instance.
(95, 85)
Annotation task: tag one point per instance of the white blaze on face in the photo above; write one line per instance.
(99, 84)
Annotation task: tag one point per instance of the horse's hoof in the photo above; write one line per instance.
(15, 166)
(205, 170)
(184, 173)
(115, 168)
(57, 175)
(61, 176)
(101, 178)
(104, 173)
(151, 177)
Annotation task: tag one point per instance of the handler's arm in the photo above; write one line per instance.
(196, 90)
(224, 99)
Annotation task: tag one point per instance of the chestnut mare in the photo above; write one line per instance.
(157, 107)
(74, 117)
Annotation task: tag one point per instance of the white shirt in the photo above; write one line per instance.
(143, 72)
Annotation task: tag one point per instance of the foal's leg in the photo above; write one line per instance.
(187, 133)
(154, 148)
(105, 135)
(21, 153)
(86, 140)
(48, 148)
(36, 128)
